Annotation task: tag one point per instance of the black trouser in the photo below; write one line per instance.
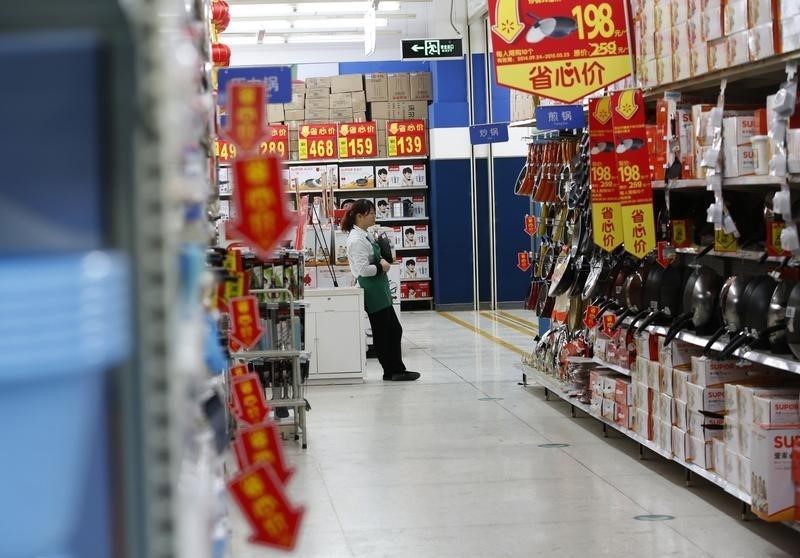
(387, 334)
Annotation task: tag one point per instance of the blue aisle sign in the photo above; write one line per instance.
(488, 133)
(278, 80)
(561, 117)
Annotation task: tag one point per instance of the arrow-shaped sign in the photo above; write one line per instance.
(245, 115)
(666, 254)
(530, 225)
(590, 317)
(245, 322)
(249, 403)
(417, 48)
(261, 444)
(523, 261)
(508, 25)
(259, 494)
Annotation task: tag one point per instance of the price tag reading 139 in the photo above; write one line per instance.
(358, 139)
(406, 138)
(317, 141)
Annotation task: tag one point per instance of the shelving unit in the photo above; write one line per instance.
(354, 161)
(412, 249)
(613, 367)
(752, 255)
(741, 182)
(402, 220)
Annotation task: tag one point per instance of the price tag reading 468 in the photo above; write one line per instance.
(406, 138)
(317, 142)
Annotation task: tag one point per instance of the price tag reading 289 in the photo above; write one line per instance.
(358, 139)
(406, 138)
(317, 141)
(277, 144)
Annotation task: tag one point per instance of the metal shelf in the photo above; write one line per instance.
(412, 248)
(613, 367)
(419, 280)
(558, 388)
(530, 123)
(752, 255)
(743, 182)
(376, 189)
(769, 68)
(416, 299)
(401, 219)
(355, 161)
(254, 355)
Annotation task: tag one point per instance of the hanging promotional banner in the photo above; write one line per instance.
(261, 444)
(633, 171)
(258, 197)
(357, 139)
(590, 317)
(681, 233)
(530, 225)
(406, 138)
(237, 285)
(246, 115)
(317, 141)
(606, 210)
(523, 261)
(238, 370)
(560, 50)
(259, 494)
(774, 246)
(249, 403)
(608, 323)
(245, 322)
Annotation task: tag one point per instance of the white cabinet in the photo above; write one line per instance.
(335, 335)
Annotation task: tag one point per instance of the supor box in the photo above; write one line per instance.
(362, 176)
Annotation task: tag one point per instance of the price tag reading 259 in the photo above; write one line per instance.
(406, 138)
(317, 141)
(358, 139)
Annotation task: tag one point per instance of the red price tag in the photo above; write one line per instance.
(261, 444)
(249, 403)
(406, 138)
(530, 225)
(590, 318)
(358, 139)
(277, 144)
(523, 261)
(608, 322)
(224, 150)
(317, 141)
(774, 246)
(666, 254)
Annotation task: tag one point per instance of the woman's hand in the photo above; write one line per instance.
(385, 265)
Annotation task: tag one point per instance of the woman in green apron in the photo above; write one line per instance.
(370, 269)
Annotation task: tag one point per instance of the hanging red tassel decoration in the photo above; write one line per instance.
(220, 15)
(221, 55)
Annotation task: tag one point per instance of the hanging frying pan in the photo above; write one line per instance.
(793, 321)
(633, 291)
(550, 28)
(615, 296)
(563, 274)
(778, 342)
(731, 296)
(669, 296)
(755, 317)
(700, 295)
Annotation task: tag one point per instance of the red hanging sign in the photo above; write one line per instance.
(261, 444)
(245, 322)
(774, 246)
(317, 141)
(237, 285)
(530, 225)
(666, 254)
(238, 370)
(608, 323)
(633, 171)
(278, 143)
(249, 403)
(259, 494)
(560, 50)
(406, 138)
(357, 139)
(246, 116)
(606, 209)
(590, 317)
(523, 261)
(262, 216)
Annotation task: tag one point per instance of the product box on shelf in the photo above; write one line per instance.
(623, 391)
(383, 210)
(760, 12)
(358, 101)
(680, 441)
(736, 16)
(424, 289)
(421, 86)
(296, 115)
(718, 456)
(731, 433)
(622, 415)
(399, 87)
(653, 375)
(318, 93)
(318, 83)
(610, 386)
(275, 113)
(790, 32)
(608, 409)
(717, 54)
(362, 176)
(698, 56)
(709, 372)
(340, 247)
(745, 474)
(712, 22)
(347, 83)
(310, 177)
(738, 160)
(746, 393)
(772, 410)
(679, 414)
(395, 235)
(377, 87)
(762, 41)
(297, 103)
(665, 408)
(318, 103)
(677, 353)
(415, 236)
(665, 436)
(341, 101)
(418, 206)
(643, 424)
(746, 434)
(704, 426)
(414, 268)
(642, 396)
(701, 398)
(418, 175)
(597, 380)
(772, 487)
(596, 405)
(666, 379)
(731, 469)
(699, 452)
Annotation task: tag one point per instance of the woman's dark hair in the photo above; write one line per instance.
(359, 207)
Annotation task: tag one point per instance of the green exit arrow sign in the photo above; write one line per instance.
(432, 49)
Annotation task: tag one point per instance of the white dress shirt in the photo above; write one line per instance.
(360, 254)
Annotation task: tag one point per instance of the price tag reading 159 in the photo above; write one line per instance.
(358, 139)
(406, 138)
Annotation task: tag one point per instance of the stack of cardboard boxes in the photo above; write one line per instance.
(680, 39)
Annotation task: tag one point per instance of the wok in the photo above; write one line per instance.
(731, 297)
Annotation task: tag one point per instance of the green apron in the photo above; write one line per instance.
(377, 294)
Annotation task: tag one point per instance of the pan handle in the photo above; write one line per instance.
(714, 338)
(621, 318)
(679, 324)
(605, 307)
(641, 314)
(704, 251)
(773, 329)
(734, 344)
(648, 320)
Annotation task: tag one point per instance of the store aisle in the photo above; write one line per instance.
(452, 466)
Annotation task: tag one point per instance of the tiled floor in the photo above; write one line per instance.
(435, 469)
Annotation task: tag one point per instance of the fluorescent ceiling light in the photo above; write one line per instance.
(330, 7)
(252, 40)
(299, 39)
(336, 23)
(256, 26)
(389, 7)
(260, 10)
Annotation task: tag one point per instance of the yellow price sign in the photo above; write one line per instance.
(724, 242)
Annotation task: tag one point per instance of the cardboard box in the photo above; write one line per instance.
(642, 397)
(712, 23)
(708, 372)
(341, 115)
(664, 69)
(731, 470)
(275, 113)
(347, 83)
(377, 87)
(596, 406)
(732, 434)
(318, 116)
(358, 101)
(698, 57)
(773, 489)
(680, 414)
(717, 54)
(772, 410)
(318, 93)
(665, 408)
(415, 268)
(318, 83)
(736, 16)
(699, 452)
(399, 87)
(677, 353)
(360, 117)
(745, 474)
(681, 66)
(653, 375)
(639, 370)
(623, 392)
(738, 48)
(297, 115)
(679, 444)
(298, 101)
(759, 12)
(746, 394)
(718, 456)
(738, 161)
(362, 176)
(313, 105)
(308, 177)
(379, 111)
(703, 426)
(761, 42)
(608, 409)
(701, 398)
(341, 101)
(746, 434)
(522, 105)
(679, 11)
(421, 84)
(666, 378)
(790, 32)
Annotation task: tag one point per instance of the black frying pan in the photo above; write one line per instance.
(731, 305)
(755, 318)
(633, 290)
(793, 321)
(700, 294)
(669, 296)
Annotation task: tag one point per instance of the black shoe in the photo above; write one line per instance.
(406, 376)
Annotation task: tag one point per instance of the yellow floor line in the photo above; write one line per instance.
(482, 333)
(508, 323)
(531, 328)
(518, 319)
